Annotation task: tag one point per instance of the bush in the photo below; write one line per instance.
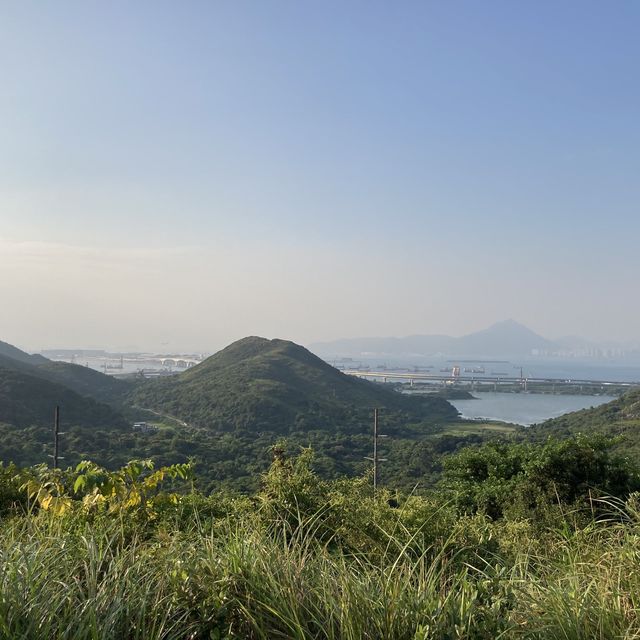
(535, 481)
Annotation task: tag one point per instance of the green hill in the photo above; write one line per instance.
(85, 381)
(619, 418)
(257, 384)
(27, 400)
(31, 387)
(28, 397)
(16, 365)
(82, 380)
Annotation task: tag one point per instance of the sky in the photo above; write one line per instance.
(180, 175)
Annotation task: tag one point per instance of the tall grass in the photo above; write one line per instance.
(245, 577)
(84, 584)
(587, 587)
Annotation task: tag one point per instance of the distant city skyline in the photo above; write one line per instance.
(188, 174)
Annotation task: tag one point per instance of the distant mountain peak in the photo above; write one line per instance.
(508, 326)
(505, 338)
(509, 322)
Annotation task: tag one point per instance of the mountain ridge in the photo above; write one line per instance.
(14, 353)
(506, 338)
(31, 386)
(83, 380)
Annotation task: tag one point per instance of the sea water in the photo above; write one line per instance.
(524, 408)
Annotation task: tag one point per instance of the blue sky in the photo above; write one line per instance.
(278, 165)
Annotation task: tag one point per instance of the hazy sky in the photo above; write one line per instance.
(193, 172)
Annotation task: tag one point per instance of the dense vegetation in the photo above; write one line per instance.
(28, 400)
(235, 460)
(86, 382)
(619, 419)
(92, 554)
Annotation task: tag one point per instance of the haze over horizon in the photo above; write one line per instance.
(181, 176)
(505, 328)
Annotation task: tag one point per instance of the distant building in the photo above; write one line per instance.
(144, 427)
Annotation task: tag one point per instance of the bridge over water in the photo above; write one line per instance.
(473, 380)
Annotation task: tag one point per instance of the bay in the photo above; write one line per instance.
(524, 408)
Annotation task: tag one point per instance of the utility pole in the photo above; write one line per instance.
(375, 459)
(56, 438)
(375, 449)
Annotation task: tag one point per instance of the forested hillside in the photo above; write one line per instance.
(618, 419)
(275, 385)
(32, 386)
